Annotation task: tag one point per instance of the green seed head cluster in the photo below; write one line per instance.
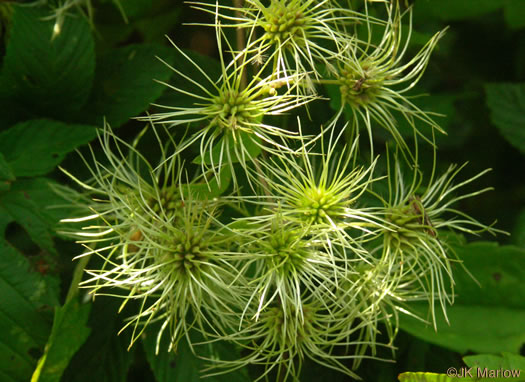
(281, 243)
(278, 326)
(286, 251)
(321, 206)
(411, 221)
(186, 253)
(358, 88)
(234, 110)
(373, 80)
(284, 20)
(298, 34)
(167, 202)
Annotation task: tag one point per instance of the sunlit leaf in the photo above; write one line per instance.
(429, 377)
(69, 332)
(507, 365)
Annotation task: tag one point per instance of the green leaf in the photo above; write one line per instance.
(155, 28)
(472, 328)
(463, 374)
(36, 147)
(104, 356)
(18, 206)
(515, 13)
(450, 10)
(5, 185)
(47, 76)
(69, 332)
(6, 174)
(494, 267)
(506, 102)
(483, 319)
(34, 205)
(164, 364)
(212, 189)
(429, 377)
(442, 104)
(249, 141)
(210, 66)
(133, 8)
(5, 170)
(512, 364)
(125, 83)
(24, 325)
(52, 207)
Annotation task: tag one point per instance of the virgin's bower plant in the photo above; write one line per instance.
(158, 242)
(247, 229)
(232, 111)
(416, 252)
(321, 191)
(280, 343)
(373, 79)
(298, 34)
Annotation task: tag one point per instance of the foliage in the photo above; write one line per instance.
(275, 201)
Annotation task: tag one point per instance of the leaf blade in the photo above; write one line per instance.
(506, 102)
(37, 146)
(487, 319)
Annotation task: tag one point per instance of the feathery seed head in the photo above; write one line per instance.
(299, 33)
(321, 205)
(228, 114)
(281, 343)
(414, 251)
(410, 220)
(320, 192)
(374, 78)
(286, 261)
(158, 242)
(288, 251)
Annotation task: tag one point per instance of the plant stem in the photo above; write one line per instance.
(241, 43)
(77, 277)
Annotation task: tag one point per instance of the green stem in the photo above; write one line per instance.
(77, 277)
(241, 43)
(281, 374)
(326, 82)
